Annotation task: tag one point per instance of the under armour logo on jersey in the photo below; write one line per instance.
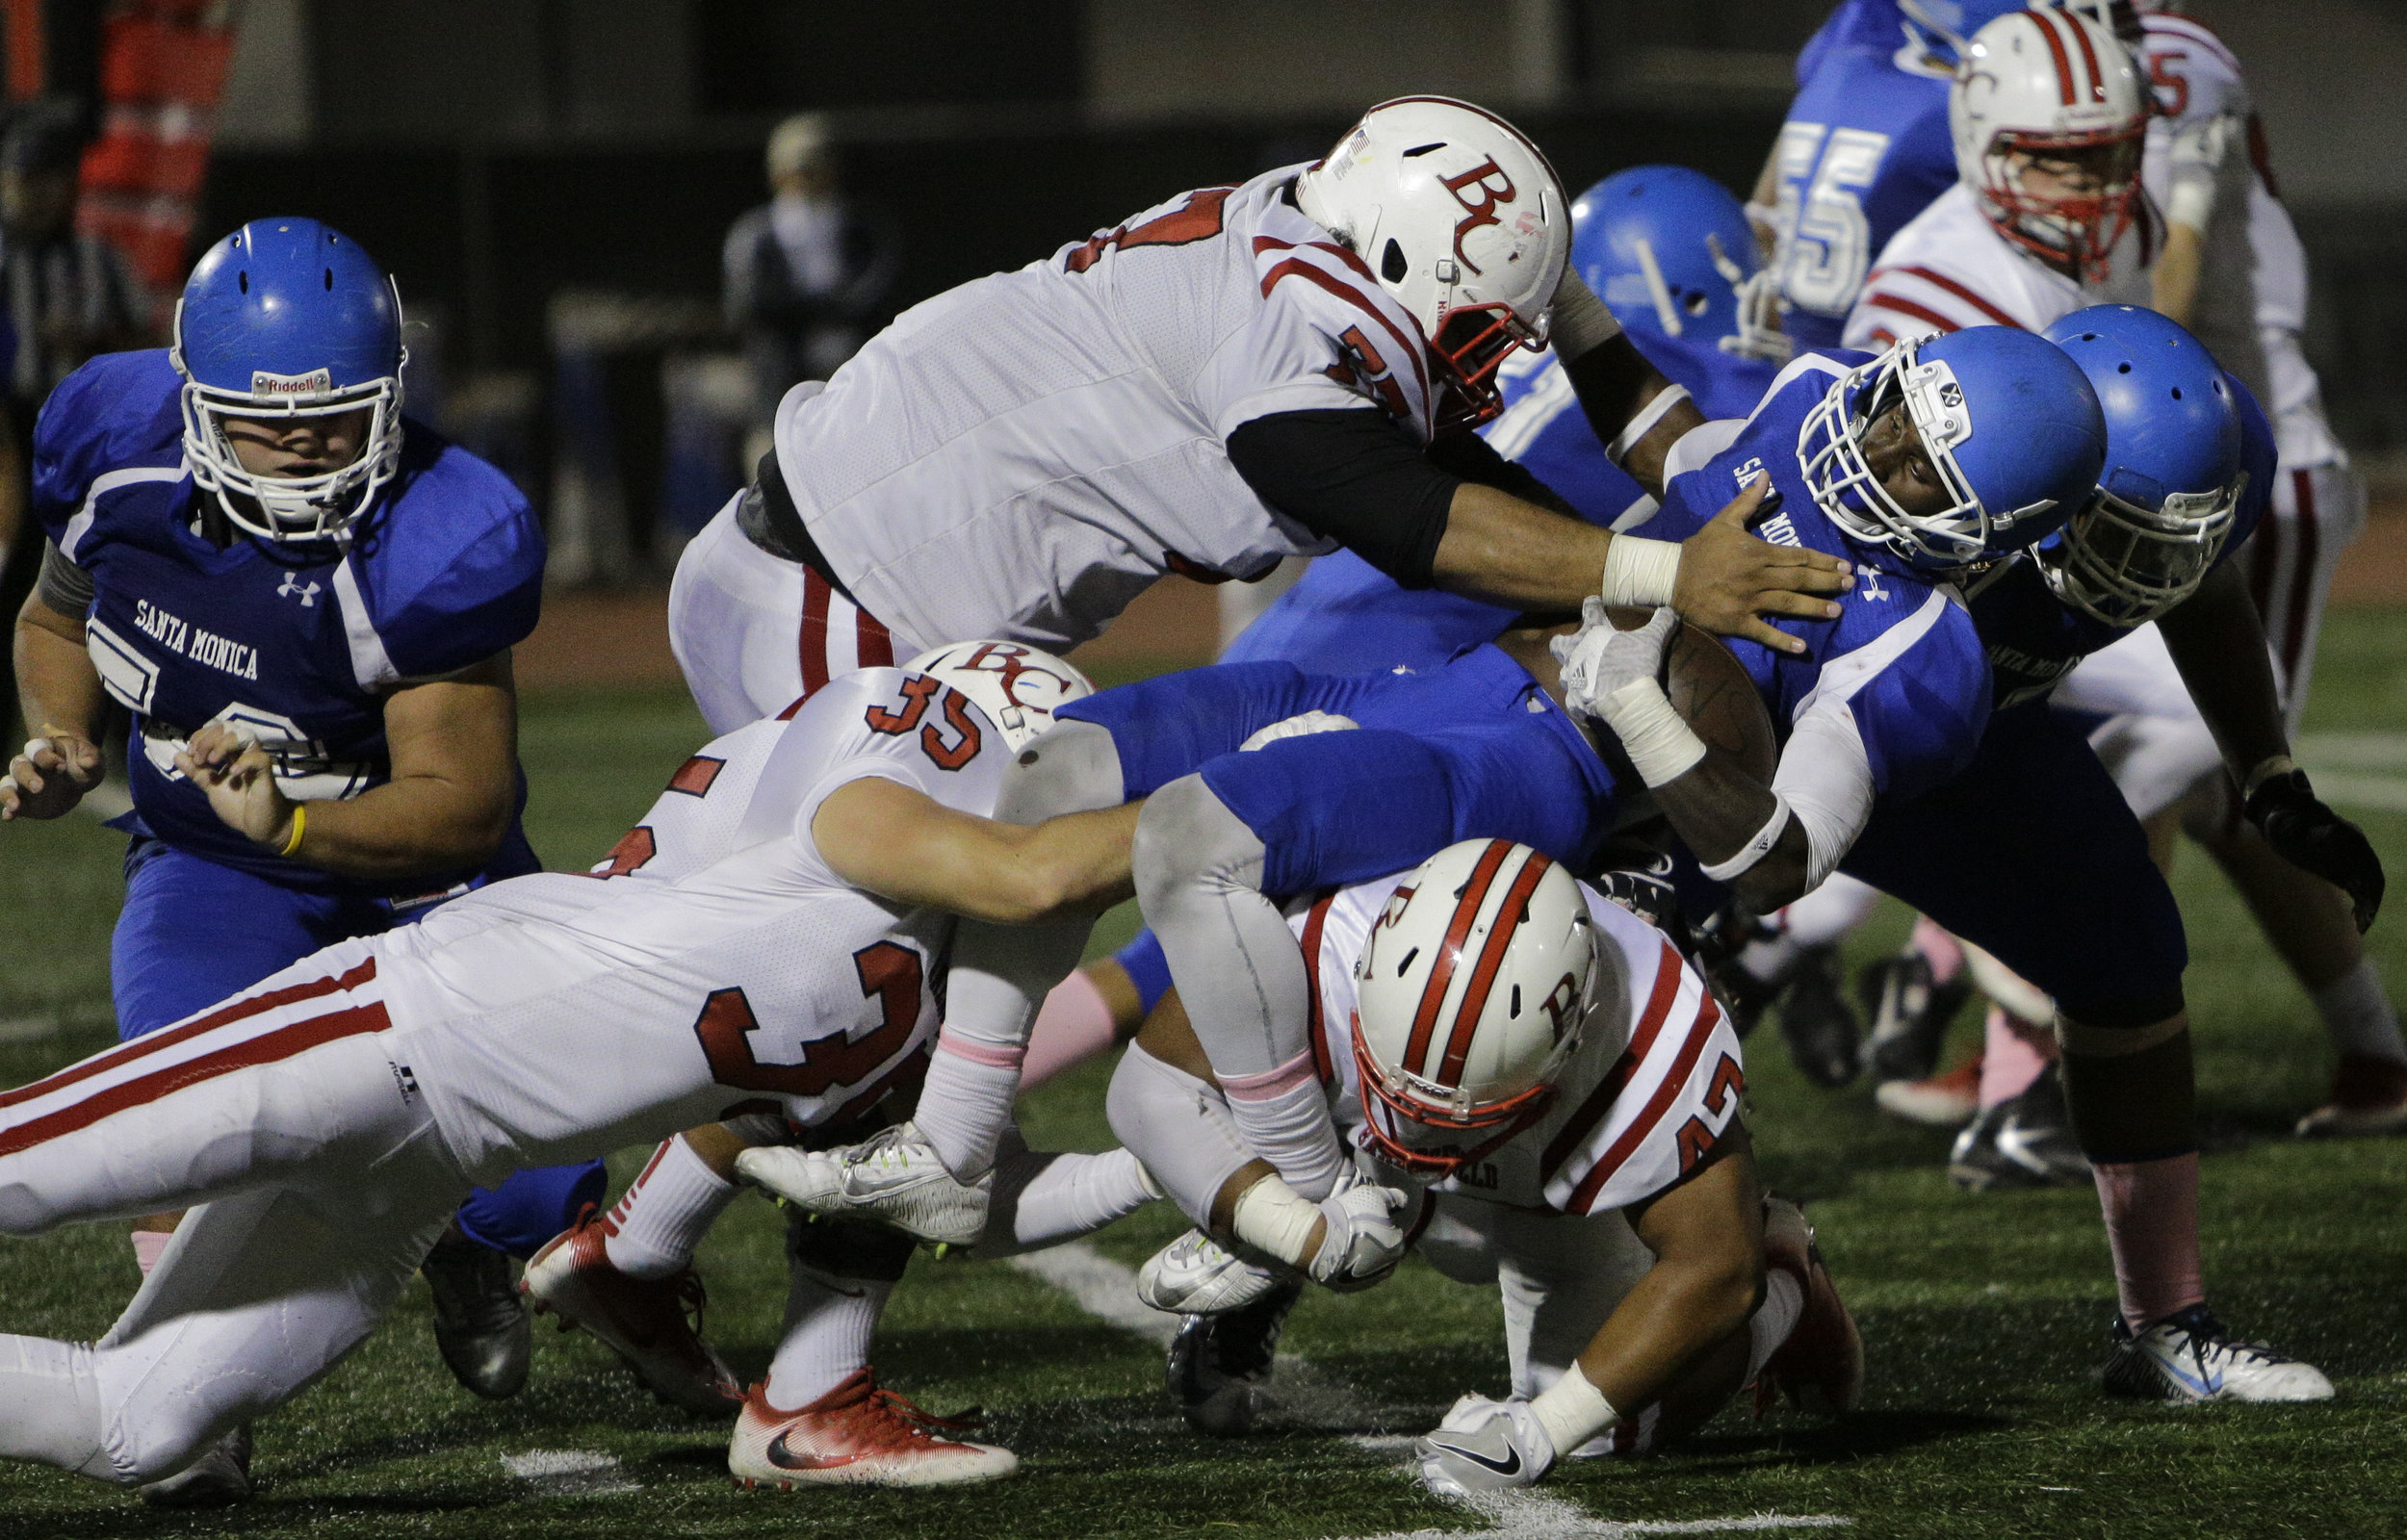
(292, 588)
(1870, 585)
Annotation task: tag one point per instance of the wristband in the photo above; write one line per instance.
(1756, 848)
(1661, 746)
(1644, 421)
(1274, 1218)
(2271, 766)
(301, 817)
(1573, 1411)
(1640, 572)
(1578, 322)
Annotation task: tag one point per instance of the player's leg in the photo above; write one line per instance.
(1097, 1007)
(735, 614)
(1795, 963)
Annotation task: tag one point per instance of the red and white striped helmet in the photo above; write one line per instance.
(2045, 83)
(1015, 685)
(1472, 993)
(1458, 217)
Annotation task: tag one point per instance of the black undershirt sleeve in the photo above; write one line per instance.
(1473, 458)
(1350, 475)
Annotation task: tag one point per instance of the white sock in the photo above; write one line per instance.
(1041, 1199)
(966, 1104)
(659, 1222)
(829, 1322)
(1283, 1115)
(50, 1405)
(1784, 1301)
(2357, 1012)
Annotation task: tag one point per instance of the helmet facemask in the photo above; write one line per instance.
(1468, 346)
(2075, 231)
(1830, 453)
(1417, 1125)
(2119, 562)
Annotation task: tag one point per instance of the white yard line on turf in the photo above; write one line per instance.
(1107, 1291)
(571, 1472)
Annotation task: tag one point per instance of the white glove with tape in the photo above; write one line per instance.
(1610, 675)
(1298, 726)
(1363, 1243)
(2194, 158)
(1485, 1445)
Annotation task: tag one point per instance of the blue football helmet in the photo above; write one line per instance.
(1942, 26)
(2009, 423)
(2172, 483)
(1670, 253)
(286, 318)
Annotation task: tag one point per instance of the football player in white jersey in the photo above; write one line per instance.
(332, 1117)
(1236, 375)
(1561, 1092)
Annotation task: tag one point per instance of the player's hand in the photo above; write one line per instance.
(1728, 578)
(1362, 1243)
(239, 779)
(1599, 660)
(51, 776)
(2313, 839)
(1485, 1445)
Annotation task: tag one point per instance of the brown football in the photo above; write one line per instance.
(1707, 686)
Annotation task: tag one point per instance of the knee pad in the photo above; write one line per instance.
(1179, 1127)
(1071, 767)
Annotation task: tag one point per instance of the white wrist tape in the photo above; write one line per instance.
(1640, 572)
(1756, 848)
(1275, 1217)
(1571, 1411)
(2190, 202)
(1660, 745)
(1644, 421)
(1579, 323)
(2274, 764)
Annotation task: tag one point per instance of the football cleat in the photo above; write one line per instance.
(1821, 1367)
(858, 1432)
(2025, 1141)
(654, 1325)
(1818, 1024)
(1943, 1101)
(1196, 1276)
(2369, 1096)
(1910, 1012)
(2190, 1357)
(219, 1478)
(480, 1326)
(1221, 1364)
(894, 1178)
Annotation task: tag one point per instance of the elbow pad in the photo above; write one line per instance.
(1825, 778)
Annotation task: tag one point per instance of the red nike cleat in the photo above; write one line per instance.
(1821, 1367)
(653, 1323)
(857, 1432)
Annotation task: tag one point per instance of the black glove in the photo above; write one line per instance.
(2313, 839)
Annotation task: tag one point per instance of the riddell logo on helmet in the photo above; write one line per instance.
(1472, 189)
(316, 382)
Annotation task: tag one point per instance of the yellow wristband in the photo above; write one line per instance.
(301, 817)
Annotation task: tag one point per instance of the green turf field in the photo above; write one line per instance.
(1984, 1318)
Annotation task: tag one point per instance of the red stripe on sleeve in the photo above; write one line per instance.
(1599, 1101)
(1969, 295)
(1297, 268)
(1907, 307)
(1708, 1017)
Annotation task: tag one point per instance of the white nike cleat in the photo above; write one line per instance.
(2190, 1357)
(1196, 1276)
(894, 1179)
(857, 1432)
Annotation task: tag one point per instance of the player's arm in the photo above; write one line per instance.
(454, 747)
(1707, 1235)
(900, 843)
(2217, 641)
(61, 697)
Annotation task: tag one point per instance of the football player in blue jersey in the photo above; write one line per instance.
(1669, 252)
(306, 603)
(1864, 148)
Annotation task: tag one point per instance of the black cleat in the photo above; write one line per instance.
(1911, 1013)
(219, 1478)
(1816, 1022)
(1219, 1365)
(2025, 1141)
(480, 1323)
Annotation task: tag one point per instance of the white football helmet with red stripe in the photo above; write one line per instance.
(2051, 86)
(1015, 685)
(1474, 987)
(1456, 214)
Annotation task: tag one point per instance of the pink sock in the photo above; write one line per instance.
(147, 1247)
(1074, 1024)
(2012, 1057)
(1938, 948)
(2152, 1224)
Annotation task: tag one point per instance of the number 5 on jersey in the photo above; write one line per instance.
(917, 691)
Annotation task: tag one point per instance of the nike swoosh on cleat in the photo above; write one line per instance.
(1501, 1468)
(785, 1459)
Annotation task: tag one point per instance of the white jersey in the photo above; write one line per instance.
(1949, 269)
(2252, 282)
(1654, 1084)
(1021, 456)
(729, 970)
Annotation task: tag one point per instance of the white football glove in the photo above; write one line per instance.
(1363, 1243)
(1298, 726)
(2192, 158)
(1600, 660)
(1485, 1445)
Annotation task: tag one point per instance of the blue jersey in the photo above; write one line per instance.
(299, 644)
(1864, 149)
(2033, 640)
(1901, 667)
